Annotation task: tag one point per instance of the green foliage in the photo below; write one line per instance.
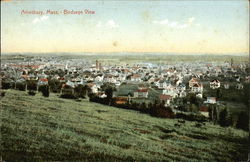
(6, 85)
(225, 118)
(80, 91)
(243, 121)
(55, 85)
(44, 89)
(21, 86)
(32, 85)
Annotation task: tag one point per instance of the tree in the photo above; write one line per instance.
(32, 85)
(246, 96)
(243, 121)
(80, 91)
(45, 90)
(55, 85)
(213, 113)
(218, 93)
(108, 89)
(225, 118)
(20, 86)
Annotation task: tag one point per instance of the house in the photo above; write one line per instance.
(193, 81)
(161, 84)
(170, 90)
(62, 80)
(42, 81)
(67, 90)
(214, 84)
(166, 98)
(101, 94)
(210, 100)
(136, 78)
(226, 85)
(109, 78)
(141, 93)
(181, 87)
(239, 86)
(93, 87)
(247, 79)
(182, 94)
(120, 100)
(197, 88)
(204, 110)
(199, 95)
(71, 84)
(99, 78)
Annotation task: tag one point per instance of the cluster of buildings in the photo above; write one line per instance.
(138, 81)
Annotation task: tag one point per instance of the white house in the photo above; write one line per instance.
(99, 78)
(193, 82)
(141, 93)
(197, 88)
(166, 98)
(214, 84)
(210, 100)
(136, 78)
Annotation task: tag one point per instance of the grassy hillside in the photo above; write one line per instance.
(38, 128)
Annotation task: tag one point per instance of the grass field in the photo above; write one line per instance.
(36, 128)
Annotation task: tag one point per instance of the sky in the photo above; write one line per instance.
(201, 27)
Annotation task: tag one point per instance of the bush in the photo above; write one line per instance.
(6, 85)
(21, 86)
(32, 85)
(191, 117)
(32, 93)
(2, 94)
(225, 118)
(68, 96)
(44, 89)
(243, 121)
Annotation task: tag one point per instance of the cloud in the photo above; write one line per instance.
(109, 24)
(175, 24)
(40, 19)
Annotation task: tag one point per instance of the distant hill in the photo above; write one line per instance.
(38, 128)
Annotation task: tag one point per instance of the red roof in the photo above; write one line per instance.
(142, 90)
(44, 79)
(136, 76)
(165, 97)
(194, 80)
(197, 85)
(204, 109)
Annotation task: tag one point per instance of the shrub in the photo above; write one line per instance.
(32, 93)
(32, 85)
(6, 85)
(243, 121)
(21, 86)
(2, 94)
(44, 89)
(191, 116)
(68, 96)
(225, 118)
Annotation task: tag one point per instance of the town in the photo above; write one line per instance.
(198, 91)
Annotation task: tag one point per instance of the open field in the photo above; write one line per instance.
(39, 128)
